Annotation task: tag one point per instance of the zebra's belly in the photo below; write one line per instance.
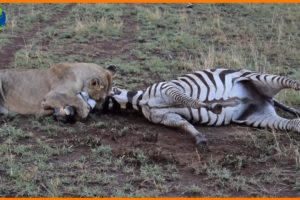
(228, 114)
(203, 115)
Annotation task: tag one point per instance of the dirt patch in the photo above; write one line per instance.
(230, 148)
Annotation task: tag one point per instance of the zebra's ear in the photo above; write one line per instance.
(112, 69)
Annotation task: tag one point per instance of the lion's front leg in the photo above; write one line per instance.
(60, 101)
(45, 112)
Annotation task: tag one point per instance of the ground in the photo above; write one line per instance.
(123, 154)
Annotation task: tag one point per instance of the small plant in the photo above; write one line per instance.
(12, 132)
(152, 174)
(103, 150)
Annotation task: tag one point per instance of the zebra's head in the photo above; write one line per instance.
(122, 99)
(120, 96)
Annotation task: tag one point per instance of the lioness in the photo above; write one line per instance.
(39, 92)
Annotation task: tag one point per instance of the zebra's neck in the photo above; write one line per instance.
(133, 99)
(125, 99)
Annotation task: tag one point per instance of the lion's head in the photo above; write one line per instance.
(100, 86)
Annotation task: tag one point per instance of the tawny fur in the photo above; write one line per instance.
(36, 91)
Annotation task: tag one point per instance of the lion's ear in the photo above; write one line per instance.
(96, 83)
(112, 69)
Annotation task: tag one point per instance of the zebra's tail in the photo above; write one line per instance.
(286, 108)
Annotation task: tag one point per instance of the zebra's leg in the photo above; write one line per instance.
(263, 115)
(175, 120)
(269, 85)
(179, 97)
(272, 121)
(286, 108)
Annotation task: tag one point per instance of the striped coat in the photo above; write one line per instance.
(213, 97)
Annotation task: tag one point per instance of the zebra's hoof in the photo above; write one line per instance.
(201, 141)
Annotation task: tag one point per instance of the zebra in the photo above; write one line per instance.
(245, 97)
